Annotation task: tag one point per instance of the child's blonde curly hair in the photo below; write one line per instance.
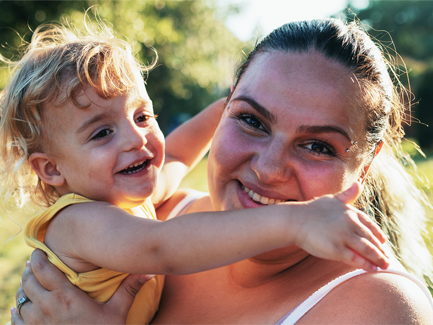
(54, 67)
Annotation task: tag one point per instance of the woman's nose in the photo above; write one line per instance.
(134, 137)
(272, 164)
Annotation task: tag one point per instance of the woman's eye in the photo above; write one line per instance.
(319, 148)
(252, 122)
(101, 134)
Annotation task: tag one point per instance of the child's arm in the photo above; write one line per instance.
(184, 148)
(106, 236)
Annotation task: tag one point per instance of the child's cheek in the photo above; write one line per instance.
(156, 144)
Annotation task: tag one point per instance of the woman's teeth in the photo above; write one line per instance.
(259, 198)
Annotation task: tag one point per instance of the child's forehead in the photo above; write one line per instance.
(84, 95)
(88, 99)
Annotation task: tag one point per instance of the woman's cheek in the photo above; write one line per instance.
(321, 178)
(231, 147)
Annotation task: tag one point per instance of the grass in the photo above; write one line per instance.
(14, 253)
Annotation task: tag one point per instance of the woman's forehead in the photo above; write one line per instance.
(308, 73)
(287, 83)
(312, 66)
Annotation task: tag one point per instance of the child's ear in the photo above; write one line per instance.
(46, 169)
(367, 167)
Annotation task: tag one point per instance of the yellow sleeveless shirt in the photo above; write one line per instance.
(99, 284)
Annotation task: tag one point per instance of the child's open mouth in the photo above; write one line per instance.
(134, 168)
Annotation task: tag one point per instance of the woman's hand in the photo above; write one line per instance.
(54, 300)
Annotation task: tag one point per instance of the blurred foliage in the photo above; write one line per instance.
(196, 52)
(407, 27)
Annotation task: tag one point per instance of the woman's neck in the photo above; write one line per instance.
(267, 267)
(279, 267)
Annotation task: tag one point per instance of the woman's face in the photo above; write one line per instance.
(285, 133)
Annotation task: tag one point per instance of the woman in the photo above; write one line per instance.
(311, 109)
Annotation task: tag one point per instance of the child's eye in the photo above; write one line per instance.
(319, 148)
(101, 134)
(144, 118)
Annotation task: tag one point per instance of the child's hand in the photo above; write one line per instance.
(333, 229)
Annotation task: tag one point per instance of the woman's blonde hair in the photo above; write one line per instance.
(390, 195)
(54, 67)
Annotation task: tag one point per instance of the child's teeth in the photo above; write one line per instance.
(141, 163)
(264, 200)
(137, 164)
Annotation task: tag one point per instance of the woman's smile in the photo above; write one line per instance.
(260, 198)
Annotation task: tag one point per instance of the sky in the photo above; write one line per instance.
(269, 14)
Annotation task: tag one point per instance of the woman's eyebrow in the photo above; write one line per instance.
(322, 129)
(259, 108)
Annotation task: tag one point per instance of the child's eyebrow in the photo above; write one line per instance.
(141, 102)
(91, 121)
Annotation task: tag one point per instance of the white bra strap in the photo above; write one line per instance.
(186, 202)
(309, 303)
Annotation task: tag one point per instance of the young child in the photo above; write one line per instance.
(78, 133)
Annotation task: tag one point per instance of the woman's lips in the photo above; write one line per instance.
(250, 199)
(260, 198)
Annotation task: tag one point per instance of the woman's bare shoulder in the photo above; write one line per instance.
(373, 298)
(202, 204)
(199, 205)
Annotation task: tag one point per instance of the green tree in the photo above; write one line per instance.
(196, 52)
(407, 27)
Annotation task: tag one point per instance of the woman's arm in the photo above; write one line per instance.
(54, 300)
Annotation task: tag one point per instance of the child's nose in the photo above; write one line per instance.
(134, 138)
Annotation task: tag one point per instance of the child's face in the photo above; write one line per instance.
(111, 151)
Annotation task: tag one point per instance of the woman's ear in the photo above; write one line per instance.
(367, 166)
(46, 168)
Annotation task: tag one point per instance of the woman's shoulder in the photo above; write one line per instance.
(380, 297)
(192, 200)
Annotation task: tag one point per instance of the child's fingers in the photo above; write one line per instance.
(374, 228)
(367, 250)
(361, 263)
(350, 195)
(365, 233)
